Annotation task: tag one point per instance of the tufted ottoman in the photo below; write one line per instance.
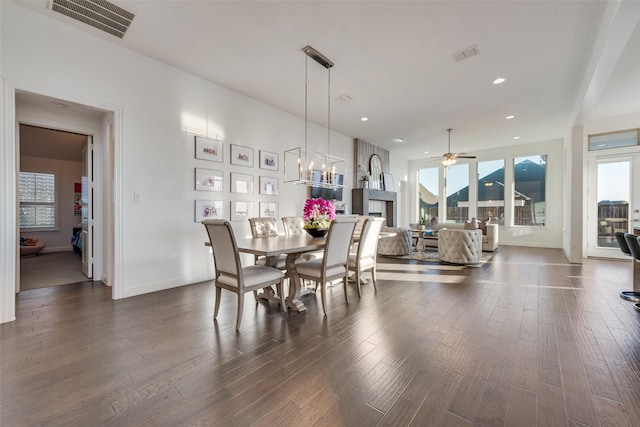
(400, 244)
(459, 246)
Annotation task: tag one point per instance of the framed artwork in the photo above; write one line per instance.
(241, 211)
(77, 198)
(269, 160)
(208, 149)
(269, 209)
(208, 209)
(241, 183)
(388, 181)
(208, 180)
(241, 156)
(269, 185)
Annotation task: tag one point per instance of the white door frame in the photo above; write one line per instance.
(594, 159)
(9, 165)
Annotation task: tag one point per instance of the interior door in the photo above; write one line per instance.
(614, 202)
(87, 208)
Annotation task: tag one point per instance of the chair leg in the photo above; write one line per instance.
(218, 295)
(240, 307)
(358, 283)
(345, 281)
(255, 295)
(373, 278)
(323, 294)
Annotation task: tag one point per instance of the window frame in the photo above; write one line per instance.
(55, 203)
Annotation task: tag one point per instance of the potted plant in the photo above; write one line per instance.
(421, 223)
(318, 214)
(365, 180)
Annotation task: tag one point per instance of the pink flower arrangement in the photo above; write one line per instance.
(318, 213)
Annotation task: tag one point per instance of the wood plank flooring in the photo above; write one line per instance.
(526, 339)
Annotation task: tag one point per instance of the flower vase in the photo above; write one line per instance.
(317, 232)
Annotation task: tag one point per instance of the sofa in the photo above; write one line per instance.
(489, 239)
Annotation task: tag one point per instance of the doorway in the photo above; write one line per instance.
(57, 136)
(613, 202)
(50, 205)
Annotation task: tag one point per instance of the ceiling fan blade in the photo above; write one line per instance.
(466, 157)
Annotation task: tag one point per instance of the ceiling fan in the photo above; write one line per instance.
(450, 158)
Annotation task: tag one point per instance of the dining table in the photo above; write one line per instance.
(292, 246)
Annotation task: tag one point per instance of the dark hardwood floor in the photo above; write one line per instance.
(526, 339)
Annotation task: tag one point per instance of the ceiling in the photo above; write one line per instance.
(51, 144)
(393, 59)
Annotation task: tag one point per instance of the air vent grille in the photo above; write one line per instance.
(100, 14)
(465, 53)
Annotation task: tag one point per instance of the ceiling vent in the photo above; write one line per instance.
(100, 14)
(465, 53)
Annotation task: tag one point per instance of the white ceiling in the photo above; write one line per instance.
(393, 58)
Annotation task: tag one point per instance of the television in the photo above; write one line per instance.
(334, 194)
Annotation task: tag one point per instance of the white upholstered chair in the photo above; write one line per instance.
(334, 264)
(457, 246)
(230, 274)
(266, 227)
(365, 256)
(294, 225)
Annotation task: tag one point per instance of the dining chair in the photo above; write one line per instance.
(365, 256)
(231, 275)
(266, 227)
(333, 265)
(294, 225)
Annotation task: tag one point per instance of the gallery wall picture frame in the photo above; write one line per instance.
(241, 155)
(241, 210)
(269, 185)
(269, 209)
(208, 209)
(241, 183)
(209, 149)
(388, 182)
(208, 180)
(269, 160)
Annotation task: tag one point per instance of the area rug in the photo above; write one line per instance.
(432, 256)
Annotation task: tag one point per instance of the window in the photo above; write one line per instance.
(457, 190)
(529, 202)
(491, 191)
(37, 200)
(613, 140)
(428, 186)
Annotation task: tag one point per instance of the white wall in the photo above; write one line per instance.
(162, 109)
(549, 236)
(399, 166)
(67, 173)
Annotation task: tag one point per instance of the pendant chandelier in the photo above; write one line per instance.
(310, 167)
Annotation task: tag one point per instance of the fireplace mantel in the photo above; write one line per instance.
(360, 200)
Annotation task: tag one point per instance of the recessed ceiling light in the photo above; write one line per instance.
(364, 119)
(516, 137)
(499, 80)
(59, 105)
(509, 117)
(426, 152)
(398, 140)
